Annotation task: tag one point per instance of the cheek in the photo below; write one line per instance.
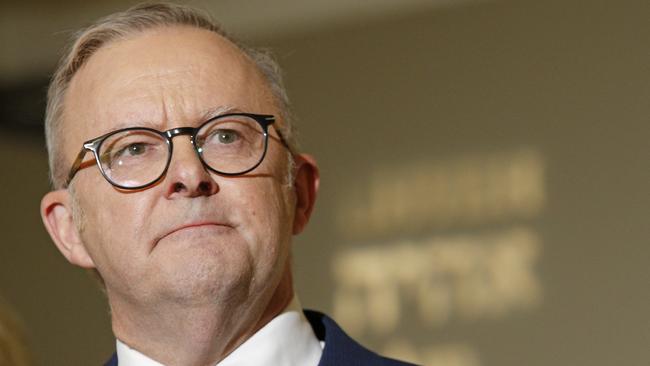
(265, 219)
(114, 226)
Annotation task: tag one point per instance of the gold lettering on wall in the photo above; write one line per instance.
(466, 277)
(481, 264)
(461, 191)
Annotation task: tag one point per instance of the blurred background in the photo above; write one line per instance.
(484, 176)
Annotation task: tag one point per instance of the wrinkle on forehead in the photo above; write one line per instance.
(207, 114)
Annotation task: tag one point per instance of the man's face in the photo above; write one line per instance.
(195, 236)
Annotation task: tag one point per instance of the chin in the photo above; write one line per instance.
(205, 280)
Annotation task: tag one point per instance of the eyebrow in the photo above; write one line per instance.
(204, 116)
(216, 111)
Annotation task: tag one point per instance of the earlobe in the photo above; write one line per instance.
(56, 212)
(307, 180)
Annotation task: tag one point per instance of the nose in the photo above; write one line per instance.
(186, 175)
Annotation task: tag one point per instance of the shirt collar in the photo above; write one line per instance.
(287, 339)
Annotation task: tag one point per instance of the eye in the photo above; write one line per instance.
(134, 149)
(224, 136)
(128, 153)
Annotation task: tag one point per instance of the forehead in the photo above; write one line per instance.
(161, 77)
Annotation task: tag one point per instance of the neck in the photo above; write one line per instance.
(197, 335)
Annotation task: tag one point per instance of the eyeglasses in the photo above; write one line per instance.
(136, 157)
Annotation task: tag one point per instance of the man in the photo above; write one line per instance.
(177, 179)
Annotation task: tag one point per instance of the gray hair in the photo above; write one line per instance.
(120, 26)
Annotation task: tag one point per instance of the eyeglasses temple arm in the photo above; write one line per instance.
(75, 166)
(283, 140)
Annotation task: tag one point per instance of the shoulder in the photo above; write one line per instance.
(340, 349)
(112, 361)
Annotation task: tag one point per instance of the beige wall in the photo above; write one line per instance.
(528, 124)
(484, 190)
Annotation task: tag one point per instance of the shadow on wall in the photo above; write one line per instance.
(482, 266)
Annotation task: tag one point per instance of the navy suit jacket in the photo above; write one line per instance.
(340, 349)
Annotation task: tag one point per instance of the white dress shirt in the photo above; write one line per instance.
(287, 340)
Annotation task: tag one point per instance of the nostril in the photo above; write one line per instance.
(178, 187)
(204, 187)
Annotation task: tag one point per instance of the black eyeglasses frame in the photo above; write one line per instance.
(94, 145)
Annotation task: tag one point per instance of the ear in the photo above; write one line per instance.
(56, 212)
(306, 182)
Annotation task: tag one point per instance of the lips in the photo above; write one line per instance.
(191, 226)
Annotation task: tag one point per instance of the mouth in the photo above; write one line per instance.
(195, 228)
